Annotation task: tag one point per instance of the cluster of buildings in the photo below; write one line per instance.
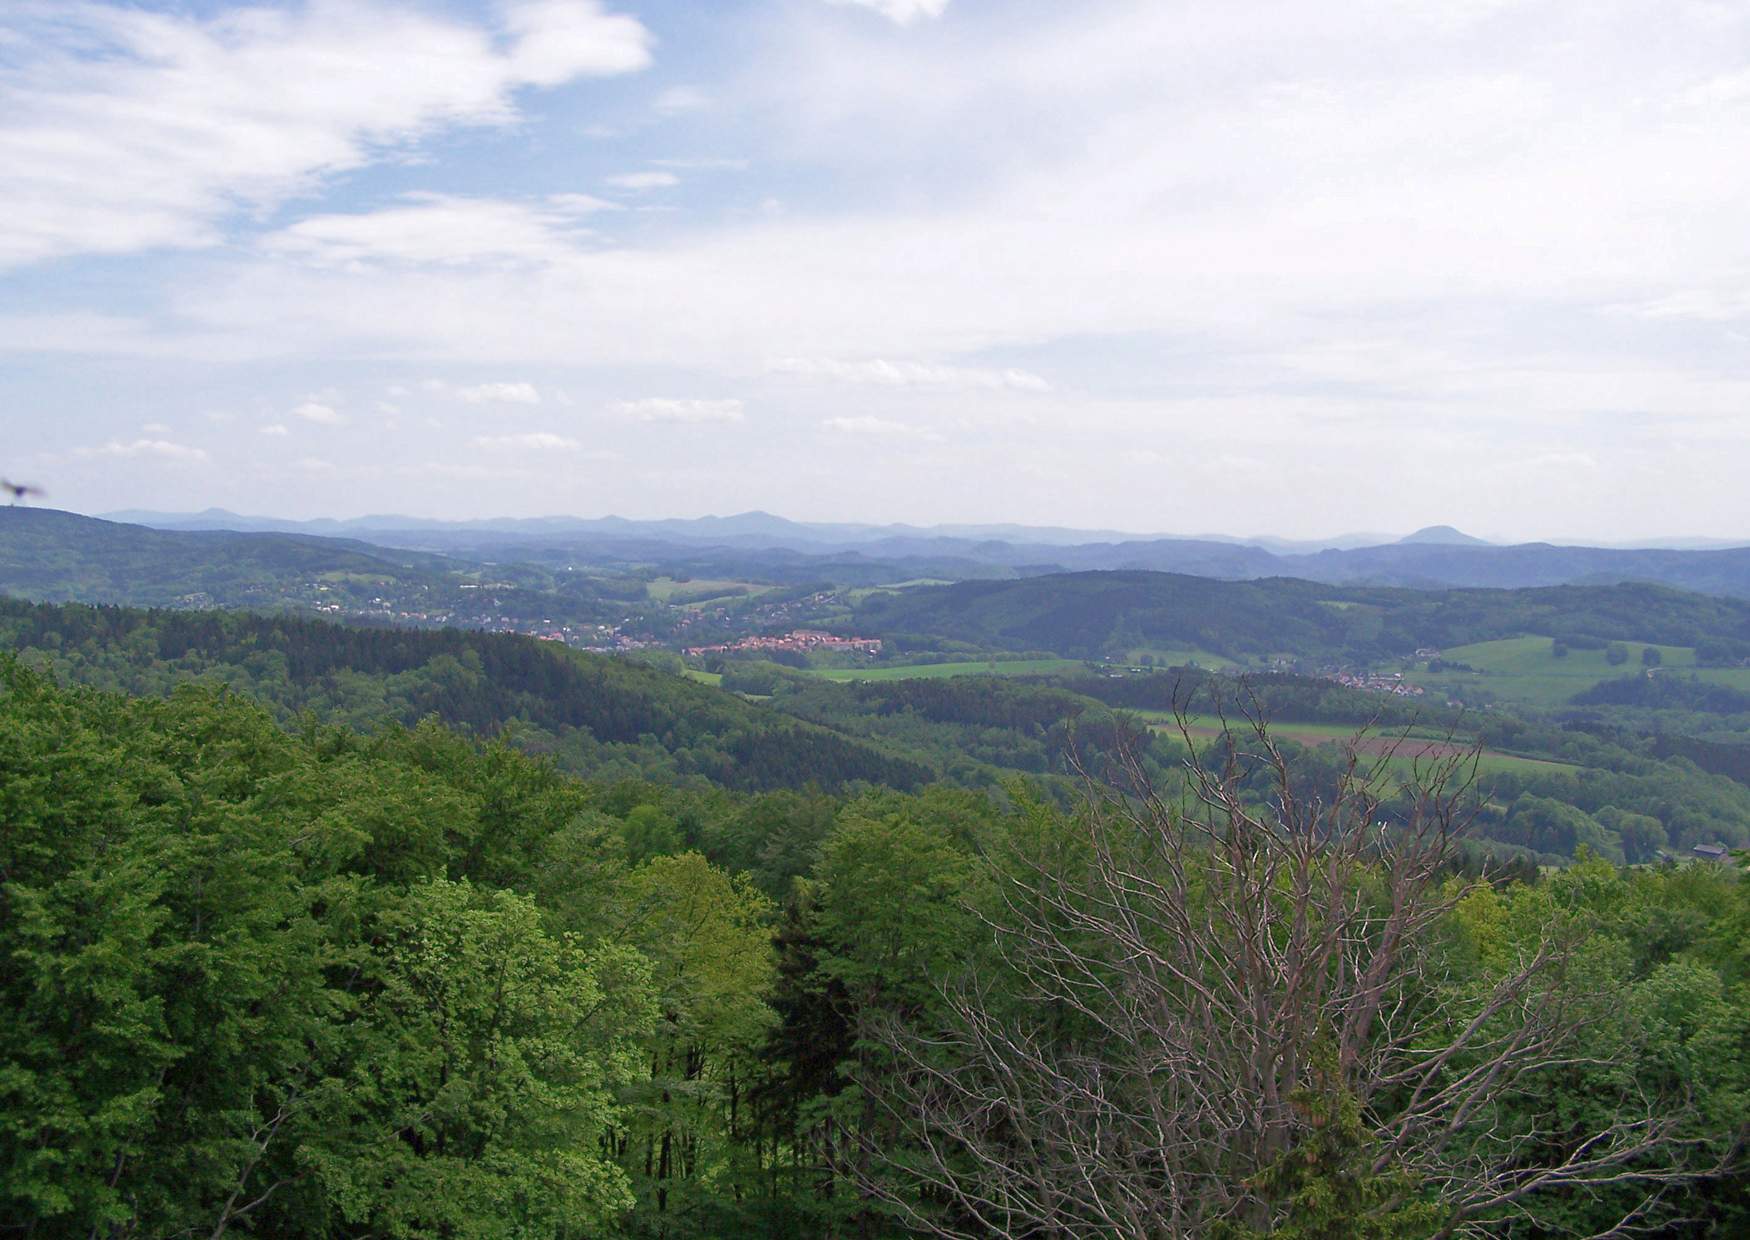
(1378, 682)
(800, 641)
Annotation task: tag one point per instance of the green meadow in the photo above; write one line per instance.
(1526, 669)
(696, 591)
(1180, 656)
(862, 592)
(931, 671)
(1401, 746)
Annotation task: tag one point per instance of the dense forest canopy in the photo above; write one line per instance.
(603, 713)
(1092, 614)
(317, 983)
(610, 718)
(369, 931)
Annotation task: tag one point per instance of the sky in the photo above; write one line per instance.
(1253, 266)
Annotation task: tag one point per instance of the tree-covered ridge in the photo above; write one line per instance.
(770, 548)
(609, 718)
(1624, 796)
(320, 984)
(1086, 615)
(599, 715)
(59, 555)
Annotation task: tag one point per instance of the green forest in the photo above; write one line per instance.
(1084, 615)
(609, 716)
(329, 931)
(307, 981)
(874, 620)
(1547, 785)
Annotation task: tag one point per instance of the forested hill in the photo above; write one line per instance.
(1083, 615)
(55, 556)
(597, 715)
(313, 985)
(769, 547)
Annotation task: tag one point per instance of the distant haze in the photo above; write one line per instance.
(769, 529)
(1295, 268)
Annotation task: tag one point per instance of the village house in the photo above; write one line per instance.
(800, 641)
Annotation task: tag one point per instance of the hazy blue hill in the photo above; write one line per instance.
(52, 555)
(760, 546)
(1081, 615)
(1442, 535)
(1428, 565)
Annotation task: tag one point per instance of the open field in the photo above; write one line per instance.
(862, 592)
(698, 590)
(354, 578)
(919, 671)
(1180, 656)
(1525, 669)
(1405, 748)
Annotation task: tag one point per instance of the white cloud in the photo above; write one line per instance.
(319, 413)
(558, 40)
(125, 129)
(644, 180)
(1310, 229)
(704, 163)
(1728, 90)
(678, 99)
(442, 230)
(155, 428)
(883, 428)
(512, 393)
(1707, 305)
(665, 409)
(275, 429)
(910, 374)
(159, 448)
(544, 440)
(581, 204)
(901, 12)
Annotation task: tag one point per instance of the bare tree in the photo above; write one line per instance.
(1195, 1009)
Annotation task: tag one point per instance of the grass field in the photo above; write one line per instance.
(692, 592)
(862, 592)
(704, 678)
(1418, 743)
(921, 671)
(1525, 669)
(1182, 656)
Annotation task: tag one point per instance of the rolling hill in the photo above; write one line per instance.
(1086, 615)
(765, 546)
(594, 714)
(51, 555)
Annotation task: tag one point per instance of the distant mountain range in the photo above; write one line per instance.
(746, 529)
(64, 557)
(759, 545)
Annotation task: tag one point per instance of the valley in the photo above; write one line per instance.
(874, 620)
